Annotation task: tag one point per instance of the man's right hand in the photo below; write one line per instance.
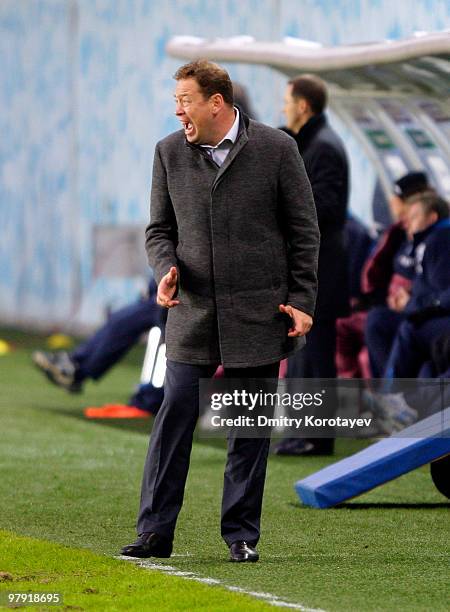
(398, 300)
(167, 288)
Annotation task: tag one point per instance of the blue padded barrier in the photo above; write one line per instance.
(421, 443)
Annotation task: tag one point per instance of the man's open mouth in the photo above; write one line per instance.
(188, 128)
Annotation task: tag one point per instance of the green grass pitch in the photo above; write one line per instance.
(67, 481)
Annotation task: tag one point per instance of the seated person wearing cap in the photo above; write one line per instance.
(426, 308)
(389, 267)
(388, 275)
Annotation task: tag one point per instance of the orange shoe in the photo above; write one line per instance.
(115, 411)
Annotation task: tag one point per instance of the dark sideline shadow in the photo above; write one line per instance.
(139, 426)
(394, 505)
(379, 506)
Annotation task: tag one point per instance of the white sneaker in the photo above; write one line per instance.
(394, 413)
(373, 430)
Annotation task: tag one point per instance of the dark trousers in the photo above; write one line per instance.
(412, 346)
(381, 326)
(317, 359)
(412, 356)
(167, 461)
(112, 341)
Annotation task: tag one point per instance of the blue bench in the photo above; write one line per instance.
(417, 445)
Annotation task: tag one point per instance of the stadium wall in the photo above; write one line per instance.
(85, 93)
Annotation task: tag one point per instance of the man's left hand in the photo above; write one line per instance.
(301, 322)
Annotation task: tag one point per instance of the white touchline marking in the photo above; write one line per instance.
(273, 600)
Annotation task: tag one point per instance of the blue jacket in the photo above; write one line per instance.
(431, 286)
(359, 243)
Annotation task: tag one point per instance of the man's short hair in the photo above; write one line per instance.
(211, 79)
(312, 89)
(431, 202)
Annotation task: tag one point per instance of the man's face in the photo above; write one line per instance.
(417, 220)
(398, 208)
(292, 109)
(194, 112)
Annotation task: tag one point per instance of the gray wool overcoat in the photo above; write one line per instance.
(244, 238)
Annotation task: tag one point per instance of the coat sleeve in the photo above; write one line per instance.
(161, 234)
(299, 220)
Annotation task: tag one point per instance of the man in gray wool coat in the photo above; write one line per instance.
(233, 242)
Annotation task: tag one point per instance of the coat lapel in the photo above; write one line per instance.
(237, 148)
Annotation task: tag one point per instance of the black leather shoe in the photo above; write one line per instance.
(240, 551)
(301, 447)
(149, 545)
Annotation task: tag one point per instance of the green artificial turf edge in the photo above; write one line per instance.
(77, 482)
(88, 581)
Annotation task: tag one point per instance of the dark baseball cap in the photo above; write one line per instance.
(411, 183)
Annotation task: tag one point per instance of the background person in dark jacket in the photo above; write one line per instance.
(326, 165)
